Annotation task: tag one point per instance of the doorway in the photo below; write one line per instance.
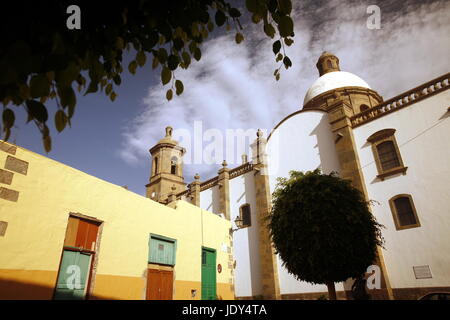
(208, 274)
(75, 270)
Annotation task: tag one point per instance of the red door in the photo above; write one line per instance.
(159, 284)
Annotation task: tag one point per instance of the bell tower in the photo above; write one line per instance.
(166, 175)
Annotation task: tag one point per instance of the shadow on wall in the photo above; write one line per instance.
(325, 146)
(16, 290)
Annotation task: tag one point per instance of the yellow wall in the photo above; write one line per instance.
(31, 249)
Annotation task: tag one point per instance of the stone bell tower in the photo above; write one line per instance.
(166, 175)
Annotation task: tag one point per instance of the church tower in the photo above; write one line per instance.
(166, 175)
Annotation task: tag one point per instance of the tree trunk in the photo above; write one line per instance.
(331, 291)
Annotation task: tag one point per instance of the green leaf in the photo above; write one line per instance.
(155, 62)
(132, 67)
(39, 86)
(173, 61)
(285, 6)
(169, 94)
(166, 75)
(37, 110)
(279, 57)
(239, 37)
(113, 96)
(220, 18)
(288, 41)
(178, 43)
(276, 46)
(179, 87)
(67, 96)
(8, 118)
(186, 58)
(272, 5)
(108, 88)
(197, 54)
(234, 13)
(269, 30)
(120, 44)
(162, 55)
(252, 5)
(286, 26)
(287, 62)
(60, 120)
(117, 80)
(141, 58)
(93, 87)
(256, 18)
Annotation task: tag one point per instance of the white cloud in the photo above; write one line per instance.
(233, 85)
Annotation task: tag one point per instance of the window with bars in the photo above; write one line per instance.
(386, 153)
(404, 212)
(246, 215)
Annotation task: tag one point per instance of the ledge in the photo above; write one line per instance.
(391, 172)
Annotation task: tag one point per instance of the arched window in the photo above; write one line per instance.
(156, 165)
(363, 107)
(246, 215)
(386, 153)
(173, 165)
(330, 64)
(404, 212)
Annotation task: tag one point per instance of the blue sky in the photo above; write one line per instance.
(233, 85)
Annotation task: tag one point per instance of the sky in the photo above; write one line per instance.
(232, 87)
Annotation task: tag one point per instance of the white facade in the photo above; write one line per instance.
(304, 141)
(422, 134)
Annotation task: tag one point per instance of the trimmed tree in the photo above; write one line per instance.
(322, 228)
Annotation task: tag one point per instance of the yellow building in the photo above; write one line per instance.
(66, 234)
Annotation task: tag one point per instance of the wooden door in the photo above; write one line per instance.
(208, 274)
(76, 261)
(166, 284)
(73, 276)
(159, 284)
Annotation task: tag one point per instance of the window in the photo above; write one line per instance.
(330, 64)
(156, 165)
(404, 212)
(162, 250)
(363, 107)
(386, 153)
(173, 165)
(246, 215)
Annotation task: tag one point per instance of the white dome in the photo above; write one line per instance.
(333, 80)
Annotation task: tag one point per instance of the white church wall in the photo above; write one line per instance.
(302, 142)
(209, 199)
(422, 134)
(246, 240)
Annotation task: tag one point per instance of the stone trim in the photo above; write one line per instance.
(3, 227)
(403, 100)
(6, 176)
(16, 165)
(398, 226)
(6, 147)
(209, 183)
(242, 169)
(9, 194)
(378, 138)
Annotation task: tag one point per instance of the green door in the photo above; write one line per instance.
(73, 275)
(208, 274)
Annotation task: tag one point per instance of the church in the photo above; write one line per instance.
(207, 239)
